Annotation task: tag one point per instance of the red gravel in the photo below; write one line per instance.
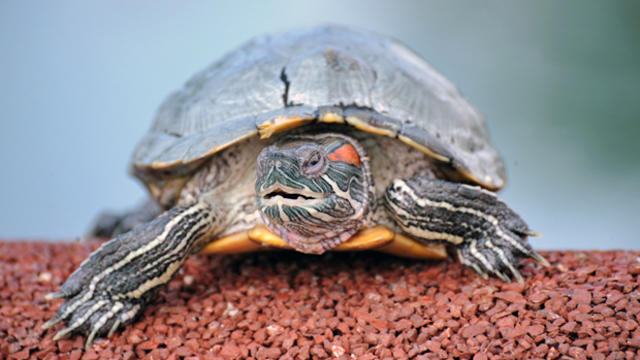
(349, 306)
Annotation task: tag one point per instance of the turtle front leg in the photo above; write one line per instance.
(489, 236)
(120, 278)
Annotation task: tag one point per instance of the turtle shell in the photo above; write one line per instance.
(327, 74)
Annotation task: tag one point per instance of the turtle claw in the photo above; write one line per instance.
(62, 333)
(50, 323)
(497, 256)
(114, 328)
(54, 295)
(516, 274)
(472, 265)
(540, 259)
(94, 318)
(502, 276)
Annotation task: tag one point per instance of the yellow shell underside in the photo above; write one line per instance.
(377, 238)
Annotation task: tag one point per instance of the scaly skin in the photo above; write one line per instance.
(111, 288)
(489, 236)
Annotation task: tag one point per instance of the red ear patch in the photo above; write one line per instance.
(346, 153)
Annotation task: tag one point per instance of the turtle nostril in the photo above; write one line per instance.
(265, 160)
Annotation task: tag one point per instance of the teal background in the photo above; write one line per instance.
(559, 83)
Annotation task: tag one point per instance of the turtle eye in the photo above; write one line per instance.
(314, 164)
(314, 160)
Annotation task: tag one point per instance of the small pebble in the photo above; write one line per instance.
(45, 276)
(337, 351)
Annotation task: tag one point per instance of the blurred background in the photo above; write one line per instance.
(559, 83)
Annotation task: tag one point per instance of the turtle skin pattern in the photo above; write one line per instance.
(488, 235)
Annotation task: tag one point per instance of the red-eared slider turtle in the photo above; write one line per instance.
(314, 140)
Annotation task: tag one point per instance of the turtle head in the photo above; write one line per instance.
(315, 191)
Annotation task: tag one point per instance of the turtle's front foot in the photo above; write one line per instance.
(489, 236)
(497, 255)
(101, 294)
(93, 315)
(118, 280)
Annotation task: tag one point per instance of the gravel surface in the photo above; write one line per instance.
(348, 306)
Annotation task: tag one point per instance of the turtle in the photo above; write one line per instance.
(316, 139)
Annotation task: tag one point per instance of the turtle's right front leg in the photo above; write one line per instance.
(120, 278)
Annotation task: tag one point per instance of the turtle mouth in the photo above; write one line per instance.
(286, 195)
(279, 193)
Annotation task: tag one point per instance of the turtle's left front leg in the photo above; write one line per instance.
(488, 235)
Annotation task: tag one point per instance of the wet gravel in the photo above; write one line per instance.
(345, 306)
